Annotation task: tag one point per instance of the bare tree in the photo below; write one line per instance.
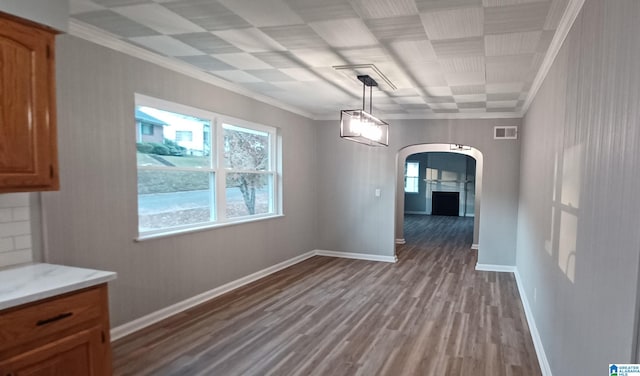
(246, 151)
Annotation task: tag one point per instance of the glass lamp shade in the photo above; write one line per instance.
(362, 127)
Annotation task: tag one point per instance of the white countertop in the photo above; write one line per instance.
(28, 283)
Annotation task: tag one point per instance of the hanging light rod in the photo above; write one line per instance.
(361, 126)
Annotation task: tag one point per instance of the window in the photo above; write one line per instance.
(411, 177)
(209, 170)
(184, 136)
(146, 129)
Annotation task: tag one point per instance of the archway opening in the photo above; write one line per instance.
(438, 182)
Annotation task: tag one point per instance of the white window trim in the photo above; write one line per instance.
(218, 215)
(416, 177)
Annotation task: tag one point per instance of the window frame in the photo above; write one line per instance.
(406, 177)
(216, 170)
(144, 126)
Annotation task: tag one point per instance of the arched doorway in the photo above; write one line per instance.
(436, 147)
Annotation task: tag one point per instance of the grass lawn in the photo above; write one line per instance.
(184, 161)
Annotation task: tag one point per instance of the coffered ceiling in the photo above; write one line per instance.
(443, 58)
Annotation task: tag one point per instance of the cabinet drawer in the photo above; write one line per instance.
(37, 320)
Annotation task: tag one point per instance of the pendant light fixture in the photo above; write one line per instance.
(361, 126)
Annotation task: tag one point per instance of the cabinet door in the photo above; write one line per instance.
(28, 152)
(80, 354)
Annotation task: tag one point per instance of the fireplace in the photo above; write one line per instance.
(445, 203)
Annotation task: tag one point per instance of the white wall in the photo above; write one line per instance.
(578, 239)
(53, 13)
(352, 219)
(15, 229)
(92, 220)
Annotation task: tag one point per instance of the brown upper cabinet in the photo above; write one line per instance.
(28, 144)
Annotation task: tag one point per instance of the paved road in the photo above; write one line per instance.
(162, 202)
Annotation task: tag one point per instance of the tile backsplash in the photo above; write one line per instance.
(15, 229)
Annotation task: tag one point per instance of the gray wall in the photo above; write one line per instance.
(578, 239)
(53, 13)
(92, 220)
(352, 219)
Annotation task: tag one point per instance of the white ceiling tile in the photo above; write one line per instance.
(420, 111)
(414, 50)
(243, 60)
(237, 76)
(438, 91)
(508, 68)
(500, 3)
(515, 18)
(470, 98)
(264, 12)
(209, 14)
(301, 74)
(468, 89)
(167, 45)
(501, 104)
(295, 36)
(159, 18)
(463, 64)
(428, 77)
(473, 110)
(279, 59)
(384, 8)
(465, 78)
(454, 23)
(314, 10)
(468, 105)
(408, 100)
(397, 28)
(555, 14)
(406, 92)
(395, 74)
(249, 40)
(504, 87)
(503, 96)
(318, 57)
(82, 6)
(365, 55)
(459, 47)
(387, 106)
(435, 5)
(349, 32)
(512, 43)
(443, 106)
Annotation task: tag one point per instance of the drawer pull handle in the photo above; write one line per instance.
(54, 319)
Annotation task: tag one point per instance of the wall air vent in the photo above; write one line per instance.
(505, 133)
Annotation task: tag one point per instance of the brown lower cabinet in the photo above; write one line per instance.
(64, 335)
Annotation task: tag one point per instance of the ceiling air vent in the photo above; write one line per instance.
(505, 133)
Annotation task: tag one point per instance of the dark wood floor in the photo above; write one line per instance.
(430, 313)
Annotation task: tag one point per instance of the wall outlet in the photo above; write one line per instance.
(377, 192)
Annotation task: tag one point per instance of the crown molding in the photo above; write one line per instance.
(438, 116)
(92, 34)
(567, 20)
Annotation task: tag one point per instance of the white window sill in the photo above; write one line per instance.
(208, 226)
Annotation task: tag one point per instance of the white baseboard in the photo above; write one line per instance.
(475, 247)
(154, 317)
(401, 241)
(496, 268)
(533, 329)
(357, 256)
